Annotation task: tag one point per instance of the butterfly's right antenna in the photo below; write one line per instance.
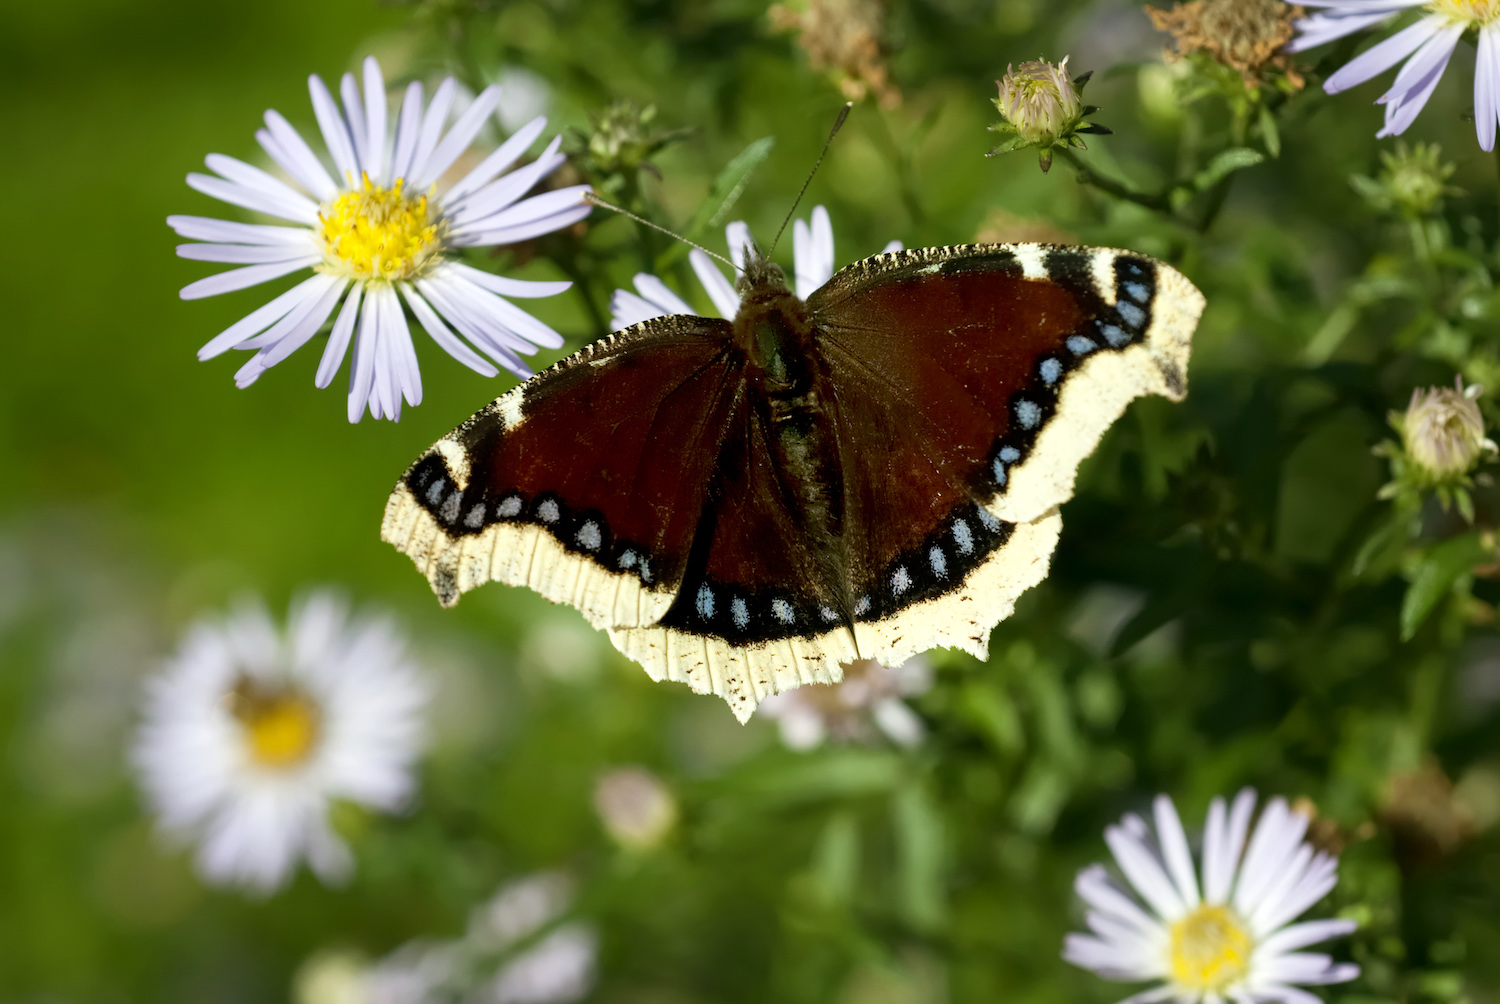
(591, 197)
(837, 125)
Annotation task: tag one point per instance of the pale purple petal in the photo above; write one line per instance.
(1235, 834)
(506, 313)
(362, 373)
(737, 236)
(338, 340)
(298, 336)
(335, 133)
(1379, 58)
(627, 310)
(375, 111)
(1276, 838)
(301, 163)
(496, 195)
(1094, 888)
(1218, 870)
(261, 318)
(1144, 872)
(1487, 85)
(1402, 108)
(528, 210)
(1319, 29)
(458, 138)
(656, 291)
(503, 156)
(408, 124)
(559, 220)
(506, 286)
(354, 118)
(893, 246)
(1307, 933)
(242, 278)
(303, 211)
(205, 228)
(446, 339)
(432, 128)
(243, 254)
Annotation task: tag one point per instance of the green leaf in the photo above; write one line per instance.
(1269, 132)
(1226, 163)
(721, 198)
(1438, 571)
(918, 825)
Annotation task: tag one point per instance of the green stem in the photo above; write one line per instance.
(1159, 202)
(584, 285)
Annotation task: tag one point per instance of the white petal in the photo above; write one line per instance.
(1235, 835)
(718, 288)
(899, 722)
(243, 254)
(659, 295)
(446, 340)
(737, 236)
(302, 211)
(802, 258)
(529, 210)
(261, 318)
(1301, 935)
(892, 247)
(338, 340)
(1316, 883)
(1320, 29)
(1218, 870)
(301, 163)
(627, 309)
(335, 131)
(241, 278)
(1144, 872)
(504, 313)
(1379, 58)
(1288, 875)
(503, 156)
(487, 336)
(298, 336)
(375, 120)
(1094, 888)
(458, 139)
(820, 269)
(1276, 837)
(560, 220)
(203, 228)
(1174, 847)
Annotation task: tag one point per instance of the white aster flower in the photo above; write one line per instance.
(869, 695)
(812, 250)
(379, 230)
(250, 733)
(1235, 939)
(1428, 43)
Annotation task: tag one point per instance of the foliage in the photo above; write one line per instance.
(1231, 604)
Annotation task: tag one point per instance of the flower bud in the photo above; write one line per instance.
(1039, 101)
(1443, 430)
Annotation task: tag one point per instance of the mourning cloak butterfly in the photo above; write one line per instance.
(870, 473)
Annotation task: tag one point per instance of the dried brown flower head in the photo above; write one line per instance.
(1422, 814)
(1246, 35)
(844, 37)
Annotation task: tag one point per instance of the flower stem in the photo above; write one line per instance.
(1159, 202)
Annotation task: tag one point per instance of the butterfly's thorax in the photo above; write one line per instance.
(789, 386)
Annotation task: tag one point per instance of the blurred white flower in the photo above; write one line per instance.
(250, 733)
(635, 807)
(483, 966)
(1424, 48)
(1234, 939)
(869, 695)
(378, 229)
(812, 250)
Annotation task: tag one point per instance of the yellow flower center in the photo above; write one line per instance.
(370, 232)
(1210, 949)
(281, 724)
(1467, 11)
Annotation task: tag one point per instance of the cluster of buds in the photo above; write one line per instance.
(621, 144)
(1442, 442)
(1042, 107)
(1412, 181)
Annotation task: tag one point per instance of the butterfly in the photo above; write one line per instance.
(745, 505)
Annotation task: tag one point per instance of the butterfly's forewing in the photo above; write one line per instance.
(629, 427)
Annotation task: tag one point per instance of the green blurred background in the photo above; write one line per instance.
(1201, 631)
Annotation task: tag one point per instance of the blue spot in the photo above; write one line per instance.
(740, 611)
(1131, 267)
(1132, 315)
(782, 610)
(1009, 454)
(627, 560)
(990, 520)
(1081, 346)
(705, 602)
(1051, 371)
(1137, 292)
(900, 580)
(828, 614)
(436, 491)
(939, 562)
(1028, 413)
(1114, 335)
(999, 468)
(863, 606)
(962, 537)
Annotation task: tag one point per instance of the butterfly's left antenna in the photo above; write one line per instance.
(837, 125)
(591, 197)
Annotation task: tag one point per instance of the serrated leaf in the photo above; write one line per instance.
(1438, 571)
(1226, 163)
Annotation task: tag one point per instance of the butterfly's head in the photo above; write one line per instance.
(759, 275)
